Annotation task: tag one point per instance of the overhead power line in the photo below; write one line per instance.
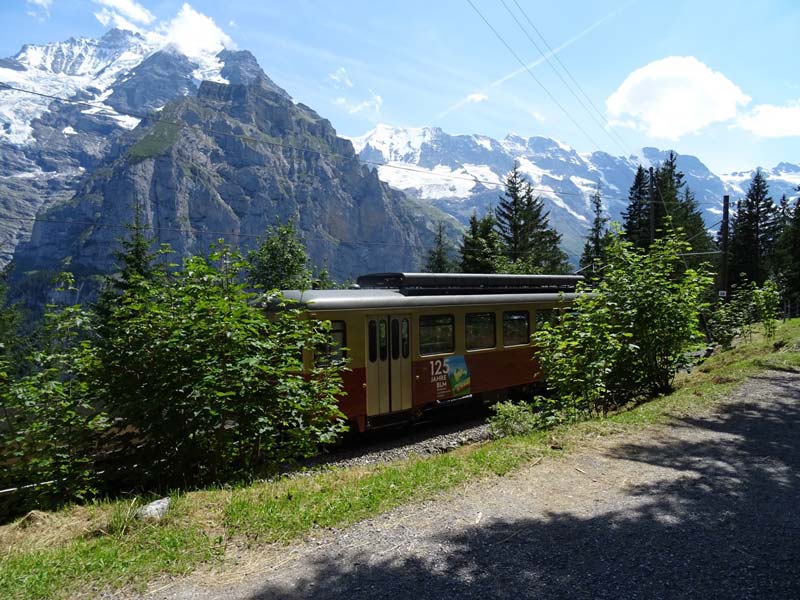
(552, 54)
(567, 85)
(536, 79)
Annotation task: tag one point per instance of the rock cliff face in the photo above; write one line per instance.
(226, 164)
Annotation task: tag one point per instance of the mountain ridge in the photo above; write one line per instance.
(227, 163)
(462, 173)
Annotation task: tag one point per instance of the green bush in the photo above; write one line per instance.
(178, 377)
(49, 429)
(203, 384)
(512, 419)
(627, 339)
(748, 304)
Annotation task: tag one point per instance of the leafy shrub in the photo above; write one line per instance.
(627, 339)
(767, 301)
(748, 304)
(203, 383)
(49, 430)
(511, 418)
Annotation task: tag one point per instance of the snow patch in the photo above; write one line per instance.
(71, 68)
(439, 182)
(484, 142)
(69, 131)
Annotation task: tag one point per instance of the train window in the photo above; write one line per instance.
(405, 338)
(516, 330)
(480, 331)
(373, 341)
(395, 339)
(546, 315)
(335, 351)
(382, 339)
(436, 334)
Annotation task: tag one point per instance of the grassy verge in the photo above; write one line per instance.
(83, 550)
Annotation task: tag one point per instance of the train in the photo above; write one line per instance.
(415, 342)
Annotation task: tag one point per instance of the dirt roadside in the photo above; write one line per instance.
(708, 506)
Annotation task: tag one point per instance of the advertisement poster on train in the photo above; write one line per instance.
(459, 375)
(451, 377)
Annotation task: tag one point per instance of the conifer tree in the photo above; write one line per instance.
(529, 243)
(657, 194)
(136, 262)
(480, 245)
(687, 218)
(753, 233)
(597, 240)
(636, 218)
(438, 258)
(781, 257)
(791, 245)
(513, 215)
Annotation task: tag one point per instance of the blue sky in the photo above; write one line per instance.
(716, 79)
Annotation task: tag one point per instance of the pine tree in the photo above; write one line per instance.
(529, 243)
(781, 257)
(438, 258)
(597, 240)
(480, 246)
(753, 233)
(513, 218)
(136, 262)
(687, 218)
(656, 195)
(636, 218)
(791, 243)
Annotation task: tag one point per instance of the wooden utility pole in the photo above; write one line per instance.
(724, 290)
(652, 203)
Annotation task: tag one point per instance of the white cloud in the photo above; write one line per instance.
(40, 9)
(340, 78)
(770, 121)
(537, 115)
(373, 104)
(195, 34)
(190, 32)
(130, 10)
(109, 18)
(477, 97)
(674, 96)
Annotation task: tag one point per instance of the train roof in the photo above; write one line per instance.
(384, 298)
(406, 290)
(469, 283)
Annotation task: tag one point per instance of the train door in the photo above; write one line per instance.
(388, 363)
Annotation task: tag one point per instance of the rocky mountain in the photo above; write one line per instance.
(202, 160)
(224, 163)
(464, 173)
(46, 146)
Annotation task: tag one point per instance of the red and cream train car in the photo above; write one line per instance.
(420, 340)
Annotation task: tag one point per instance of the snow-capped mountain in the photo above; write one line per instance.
(47, 145)
(464, 173)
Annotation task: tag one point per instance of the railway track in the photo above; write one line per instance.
(454, 427)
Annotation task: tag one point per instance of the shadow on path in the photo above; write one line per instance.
(724, 524)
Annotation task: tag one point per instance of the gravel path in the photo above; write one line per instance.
(706, 507)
